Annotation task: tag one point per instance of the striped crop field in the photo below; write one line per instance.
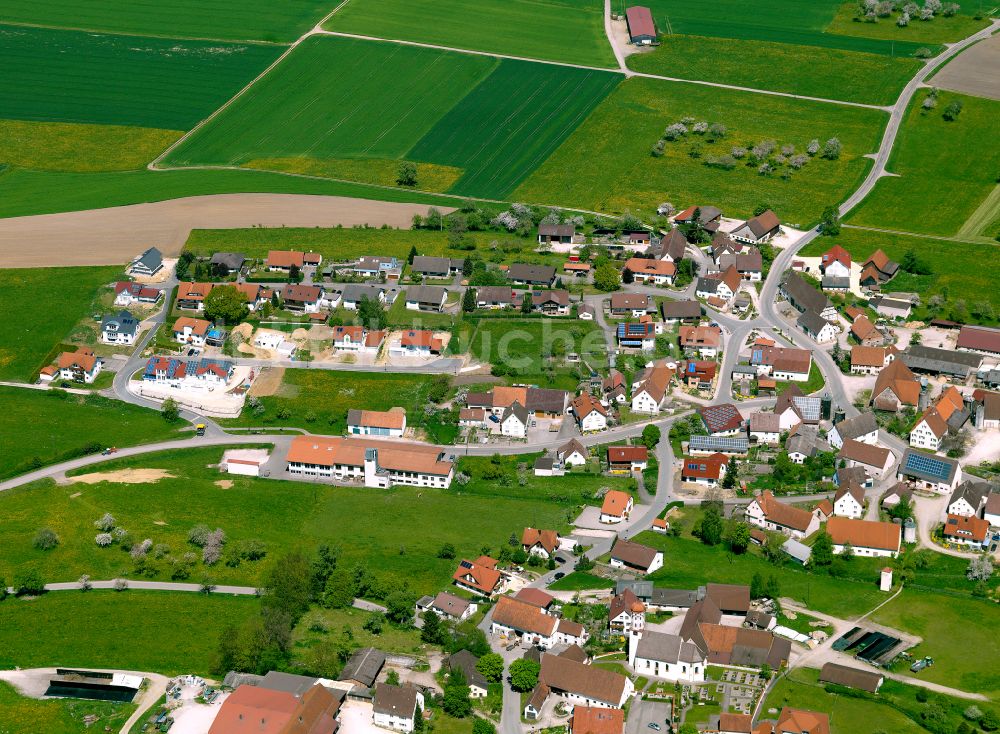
(489, 122)
(69, 76)
(263, 20)
(571, 31)
(338, 98)
(511, 123)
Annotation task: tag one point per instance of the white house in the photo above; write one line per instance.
(274, 341)
(391, 423)
(514, 421)
(768, 513)
(590, 414)
(929, 431)
(191, 331)
(573, 453)
(862, 428)
(660, 655)
(649, 392)
(635, 557)
(849, 501)
(121, 328)
(927, 471)
(765, 428)
(627, 613)
(80, 366)
(866, 537)
(817, 327)
(875, 460)
(395, 707)
(968, 500)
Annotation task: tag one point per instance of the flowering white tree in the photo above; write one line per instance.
(813, 147)
(105, 523)
(104, 539)
(832, 149)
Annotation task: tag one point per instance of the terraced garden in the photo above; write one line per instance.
(515, 27)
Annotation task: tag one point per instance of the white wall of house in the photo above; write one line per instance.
(847, 506)
(866, 552)
(922, 437)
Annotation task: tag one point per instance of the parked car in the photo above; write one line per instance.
(559, 575)
(653, 725)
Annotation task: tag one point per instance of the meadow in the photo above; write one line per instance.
(950, 277)
(68, 76)
(317, 104)
(42, 428)
(166, 632)
(318, 400)
(212, 19)
(27, 338)
(606, 164)
(936, 31)
(499, 143)
(396, 533)
(931, 156)
(341, 244)
(22, 715)
(526, 345)
(515, 27)
(833, 74)
(24, 192)
(59, 146)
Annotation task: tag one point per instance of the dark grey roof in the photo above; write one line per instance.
(151, 260)
(860, 425)
(642, 589)
(364, 666)
(287, 682)
(811, 322)
(681, 309)
(546, 399)
(426, 264)
(799, 551)
(707, 285)
(843, 675)
(802, 295)
(494, 294)
(667, 648)
(544, 463)
(673, 245)
(682, 598)
(942, 361)
(708, 213)
(927, 467)
(719, 443)
(556, 230)
(354, 292)
(971, 491)
(532, 273)
(832, 282)
(431, 295)
(517, 410)
(466, 662)
(232, 260)
(400, 701)
(125, 322)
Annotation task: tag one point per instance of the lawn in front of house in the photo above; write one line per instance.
(157, 631)
(581, 581)
(41, 428)
(396, 533)
(23, 715)
(28, 337)
(815, 382)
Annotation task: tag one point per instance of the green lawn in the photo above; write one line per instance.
(581, 581)
(528, 347)
(514, 27)
(68, 76)
(814, 383)
(343, 244)
(257, 19)
(402, 318)
(317, 104)
(606, 164)
(22, 715)
(848, 75)
(24, 192)
(938, 30)
(395, 533)
(27, 337)
(42, 428)
(951, 275)
(162, 632)
(932, 155)
(951, 628)
(512, 122)
(318, 400)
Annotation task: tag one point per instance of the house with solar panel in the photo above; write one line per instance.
(637, 335)
(728, 445)
(722, 420)
(926, 471)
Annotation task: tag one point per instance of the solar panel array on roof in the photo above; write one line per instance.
(930, 466)
(465, 564)
(809, 407)
(711, 443)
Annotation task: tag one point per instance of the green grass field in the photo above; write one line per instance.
(341, 244)
(514, 27)
(24, 192)
(950, 628)
(318, 400)
(317, 104)
(606, 164)
(22, 715)
(523, 344)
(163, 632)
(57, 146)
(62, 425)
(214, 19)
(395, 533)
(26, 336)
(930, 156)
(498, 142)
(951, 275)
(848, 75)
(581, 581)
(67, 76)
(938, 30)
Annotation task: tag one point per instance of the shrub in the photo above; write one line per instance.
(28, 581)
(104, 539)
(106, 523)
(198, 535)
(45, 539)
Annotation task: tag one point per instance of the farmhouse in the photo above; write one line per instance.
(758, 229)
(708, 470)
(986, 407)
(871, 360)
(390, 423)
(447, 606)
(641, 29)
(556, 233)
(630, 304)
(750, 264)
(866, 537)
(765, 428)
(794, 408)
(836, 263)
(657, 272)
(781, 363)
(804, 442)
(596, 720)
(681, 311)
(798, 292)
(577, 684)
(969, 498)
(626, 459)
(616, 507)
(965, 530)
(278, 709)
(425, 298)
(862, 427)
(671, 247)
(878, 269)
(542, 402)
(649, 393)
(924, 471)
(874, 459)
(636, 557)
(667, 656)
(79, 366)
(514, 421)
(768, 513)
(626, 613)
(147, 264)
(481, 576)
(395, 707)
(705, 341)
(817, 327)
(121, 328)
(849, 501)
(938, 361)
(376, 463)
(708, 216)
(895, 388)
(531, 626)
(721, 285)
(437, 267)
(542, 275)
(796, 721)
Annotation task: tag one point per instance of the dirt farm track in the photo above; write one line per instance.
(115, 235)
